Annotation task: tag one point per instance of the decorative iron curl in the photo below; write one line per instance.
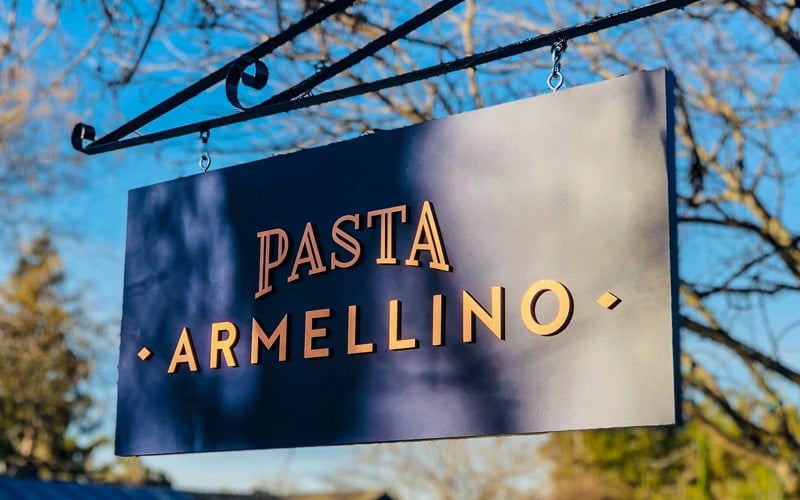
(82, 132)
(290, 100)
(237, 74)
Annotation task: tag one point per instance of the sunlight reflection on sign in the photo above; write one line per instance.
(503, 271)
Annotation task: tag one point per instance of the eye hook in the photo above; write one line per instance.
(205, 158)
(555, 80)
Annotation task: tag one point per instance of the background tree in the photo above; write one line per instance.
(463, 469)
(48, 424)
(653, 463)
(42, 371)
(39, 59)
(738, 200)
(46, 349)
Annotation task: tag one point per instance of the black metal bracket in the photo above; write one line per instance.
(298, 97)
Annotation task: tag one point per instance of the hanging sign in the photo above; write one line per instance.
(508, 270)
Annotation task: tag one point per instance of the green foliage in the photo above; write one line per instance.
(654, 463)
(42, 371)
(737, 190)
(130, 471)
(45, 348)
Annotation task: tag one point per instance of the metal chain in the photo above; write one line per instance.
(205, 158)
(556, 79)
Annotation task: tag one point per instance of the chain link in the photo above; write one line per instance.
(205, 158)
(556, 79)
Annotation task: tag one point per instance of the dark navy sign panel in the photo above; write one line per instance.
(559, 204)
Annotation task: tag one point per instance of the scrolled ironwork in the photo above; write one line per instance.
(82, 132)
(297, 96)
(237, 74)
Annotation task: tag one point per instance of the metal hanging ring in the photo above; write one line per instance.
(205, 161)
(555, 81)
